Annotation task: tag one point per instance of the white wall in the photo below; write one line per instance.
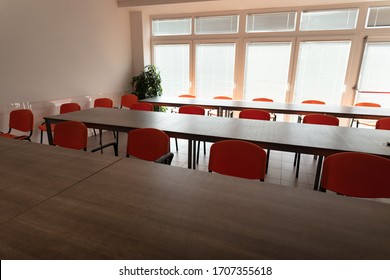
(52, 49)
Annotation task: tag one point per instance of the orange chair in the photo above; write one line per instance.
(21, 120)
(357, 174)
(263, 99)
(71, 134)
(227, 112)
(383, 124)
(149, 144)
(128, 99)
(256, 114)
(320, 119)
(187, 96)
(193, 110)
(310, 101)
(142, 106)
(238, 158)
(64, 108)
(365, 122)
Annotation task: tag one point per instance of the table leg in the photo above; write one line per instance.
(49, 133)
(189, 154)
(193, 154)
(318, 173)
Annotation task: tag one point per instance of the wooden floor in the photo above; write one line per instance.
(281, 170)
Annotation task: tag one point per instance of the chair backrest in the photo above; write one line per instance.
(368, 104)
(187, 96)
(383, 124)
(128, 99)
(22, 120)
(357, 174)
(192, 109)
(103, 102)
(69, 107)
(71, 134)
(255, 114)
(147, 143)
(223, 97)
(263, 99)
(313, 101)
(142, 106)
(238, 158)
(321, 119)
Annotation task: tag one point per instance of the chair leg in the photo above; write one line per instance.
(41, 136)
(177, 146)
(298, 162)
(204, 147)
(295, 159)
(94, 131)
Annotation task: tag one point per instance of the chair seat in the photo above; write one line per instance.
(43, 127)
(11, 136)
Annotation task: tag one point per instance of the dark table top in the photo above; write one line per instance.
(134, 209)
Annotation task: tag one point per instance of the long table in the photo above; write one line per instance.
(284, 136)
(131, 209)
(275, 107)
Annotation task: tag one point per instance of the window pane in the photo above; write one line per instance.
(174, 64)
(321, 71)
(216, 25)
(164, 27)
(215, 70)
(374, 74)
(378, 17)
(271, 22)
(329, 20)
(266, 70)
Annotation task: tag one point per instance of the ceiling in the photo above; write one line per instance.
(191, 6)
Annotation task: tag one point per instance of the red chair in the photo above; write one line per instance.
(357, 174)
(103, 102)
(256, 114)
(238, 158)
(365, 122)
(149, 144)
(310, 101)
(71, 134)
(263, 99)
(320, 119)
(21, 120)
(193, 110)
(383, 124)
(128, 99)
(142, 106)
(64, 108)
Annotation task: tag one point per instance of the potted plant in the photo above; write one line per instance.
(148, 83)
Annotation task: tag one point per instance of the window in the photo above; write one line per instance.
(378, 17)
(374, 81)
(216, 25)
(271, 22)
(329, 20)
(173, 61)
(266, 70)
(214, 69)
(321, 71)
(166, 27)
